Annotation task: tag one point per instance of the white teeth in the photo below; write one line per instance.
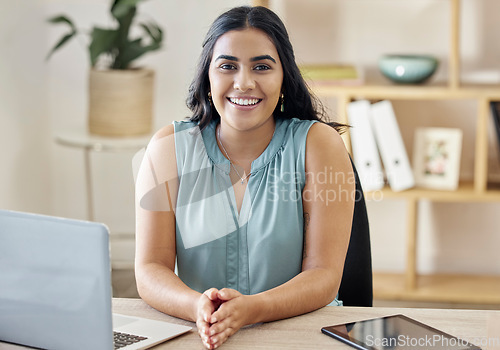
(244, 102)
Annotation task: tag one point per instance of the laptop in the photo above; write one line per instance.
(55, 288)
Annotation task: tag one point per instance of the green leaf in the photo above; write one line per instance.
(132, 51)
(155, 32)
(121, 8)
(61, 42)
(103, 40)
(62, 19)
(124, 24)
(128, 50)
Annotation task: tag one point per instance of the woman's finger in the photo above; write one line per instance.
(205, 308)
(221, 337)
(229, 308)
(228, 294)
(211, 293)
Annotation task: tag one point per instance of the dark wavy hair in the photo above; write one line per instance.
(299, 102)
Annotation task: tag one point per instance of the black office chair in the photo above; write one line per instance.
(356, 287)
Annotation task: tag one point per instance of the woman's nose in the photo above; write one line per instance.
(244, 81)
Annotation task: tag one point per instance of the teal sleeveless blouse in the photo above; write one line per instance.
(258, 248)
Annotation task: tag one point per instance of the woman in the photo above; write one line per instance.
(252, 197)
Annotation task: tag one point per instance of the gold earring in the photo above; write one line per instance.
(210, 97)
(282, 109)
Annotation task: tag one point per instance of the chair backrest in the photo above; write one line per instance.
(356, 287)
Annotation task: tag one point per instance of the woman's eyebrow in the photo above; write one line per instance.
(262, 57)
(227, 57)
(253, 59)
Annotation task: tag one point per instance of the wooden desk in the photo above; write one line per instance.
(304, 332)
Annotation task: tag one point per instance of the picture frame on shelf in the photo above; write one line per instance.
(495, 113)
(436, 158)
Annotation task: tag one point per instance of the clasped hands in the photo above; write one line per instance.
(220, 314)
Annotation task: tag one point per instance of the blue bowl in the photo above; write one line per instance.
(408, 69)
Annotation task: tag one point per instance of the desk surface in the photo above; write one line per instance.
(304, 332)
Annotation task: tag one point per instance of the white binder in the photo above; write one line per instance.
(364, 147)
(391, 146)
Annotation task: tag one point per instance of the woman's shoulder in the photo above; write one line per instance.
(324, 134)
(175, 127)
(325, 146)
(165, 131)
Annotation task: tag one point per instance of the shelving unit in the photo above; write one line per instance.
(411, 285)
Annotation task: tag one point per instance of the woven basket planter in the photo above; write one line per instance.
(121, 102)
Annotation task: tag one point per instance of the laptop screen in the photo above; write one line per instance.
(54, 282)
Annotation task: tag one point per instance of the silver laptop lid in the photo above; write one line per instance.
(55, 284)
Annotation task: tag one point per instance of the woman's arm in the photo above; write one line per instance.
(157, 283)
(328, 209)
(155, 232)
(155, 254)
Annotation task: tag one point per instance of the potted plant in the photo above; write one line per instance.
(120, 95)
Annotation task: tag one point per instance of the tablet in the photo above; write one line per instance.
(395, 332)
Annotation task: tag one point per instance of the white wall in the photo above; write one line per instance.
(25, 170)
(37, 99)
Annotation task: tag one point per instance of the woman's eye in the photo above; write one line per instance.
(227, 66)
(262, 67)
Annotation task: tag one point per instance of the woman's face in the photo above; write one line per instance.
(245, 78)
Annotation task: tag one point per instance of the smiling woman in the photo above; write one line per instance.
(221, 197)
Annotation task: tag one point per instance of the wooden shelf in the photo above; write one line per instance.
(411, 286)
(410, 92)
(469, 289)
(264, 3)
(464, 193)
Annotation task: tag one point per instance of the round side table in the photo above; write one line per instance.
(78, 138)
(81, 139)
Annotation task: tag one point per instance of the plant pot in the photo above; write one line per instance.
(121, 102)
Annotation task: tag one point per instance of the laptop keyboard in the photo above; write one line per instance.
(124, 339)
